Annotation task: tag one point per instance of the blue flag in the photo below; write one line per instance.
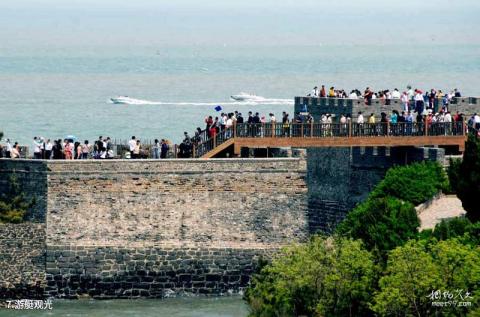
(218, 108)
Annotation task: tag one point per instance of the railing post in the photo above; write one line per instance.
(311, 129)
(215, 141)
(388, 128)
(301, 134)
(349, 128)
(426, 125)
(193, 151)
(272, 128)
(234, 129)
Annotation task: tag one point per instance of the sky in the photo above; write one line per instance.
(112, 23)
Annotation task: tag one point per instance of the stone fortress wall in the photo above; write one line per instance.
(117, 228)
(154, 228)
(339, 106)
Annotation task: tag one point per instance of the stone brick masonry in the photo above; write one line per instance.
(156, 228)
(22, 260)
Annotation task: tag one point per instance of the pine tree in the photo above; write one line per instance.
(13, 203)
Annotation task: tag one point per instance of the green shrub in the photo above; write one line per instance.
(13, 204)
(415, 183)
(381, 223)
(465, 178)
(461, 228)
(325, 277)
(418, 268)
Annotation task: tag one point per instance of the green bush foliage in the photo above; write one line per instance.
(461, 228)
(13, 204)
(465, 178)
(415, 183)
(419, 268)
(381, 223)
(325, 277)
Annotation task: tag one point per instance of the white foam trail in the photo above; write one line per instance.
(264, 101)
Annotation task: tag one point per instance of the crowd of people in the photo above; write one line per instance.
(410, 98)
(69, 149)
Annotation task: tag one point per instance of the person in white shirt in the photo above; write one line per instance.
(314, 92)
(48, 149)
(405, 101)
(395, 94)
(272, 118)
(37, 152)
(353, 95)
(360, 119)
(410, 93)
(476, 121)
(419, 106)
(132, 145)
(8, 149)
(229, 126)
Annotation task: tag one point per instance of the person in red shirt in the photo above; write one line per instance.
(323, 93)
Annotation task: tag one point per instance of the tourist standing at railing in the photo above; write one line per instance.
(405, 101)
(213, 128)
(286, 124)
(229, 126)
(410, 93)
(331, 92)
(8, 148)
(37, 154)
(353, 95)
(314, 92)
(15, 152)
(431, 99)
(388, 97)
(360, 123)
(78, 150)
(85, 150)
(368, 95)
(323, 92)
(156, 149)
(164, 149)
(57, 150)
(396, 94)
(419, 103)
(457, 93)
(131, 146)
(448, 122)
(208, 122)
(67, 150)
(48, 149)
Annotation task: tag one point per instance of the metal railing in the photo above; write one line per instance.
(328, 130)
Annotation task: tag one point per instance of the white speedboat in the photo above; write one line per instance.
(121, 100)
(246, 97)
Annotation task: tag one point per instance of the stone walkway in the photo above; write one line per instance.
(438, 208)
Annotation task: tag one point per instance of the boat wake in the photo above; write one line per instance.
(262, 101)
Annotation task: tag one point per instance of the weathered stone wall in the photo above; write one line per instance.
(22, 260)
(339, 178)
(215, 203)
(119, 228)
(106, 272)
(339, 106)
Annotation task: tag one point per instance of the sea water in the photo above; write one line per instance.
(174, 307)
(58, 92)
